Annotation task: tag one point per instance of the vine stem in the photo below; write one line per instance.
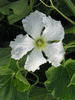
(64, 15)
(34, 81)
(45, 4)
(52, 6)
(51, 2)
(31, 5)
(33, 84)
(70, 30)
(66, 47)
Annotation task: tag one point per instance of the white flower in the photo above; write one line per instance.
(42, 33)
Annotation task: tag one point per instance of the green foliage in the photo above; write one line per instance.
(21, 83)
(9, 92)
(69, 42)
(60, 83)
(10, 77)
(72, 80)
(4, 3)
(5, 57)
(70, 30)
(58, 80)
(15, 10)
(1, 17)
(38, 93)
(5, 72)
(67, 7)
(13, 65)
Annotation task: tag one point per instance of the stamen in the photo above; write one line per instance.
(40, 43)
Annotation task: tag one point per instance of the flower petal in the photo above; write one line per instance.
(21, 46)
(34, 60)
(33, 24)
(53, 29)
(55, 53)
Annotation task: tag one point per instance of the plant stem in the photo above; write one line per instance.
(70, 30)
(52, 6)
(64, 15)
(46, 4)
(66, 47)
(31, 5)
(37, 5)
(20, 27)
(58, 99)
(51, 2)
(34, 83)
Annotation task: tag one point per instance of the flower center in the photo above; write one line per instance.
(40, 43)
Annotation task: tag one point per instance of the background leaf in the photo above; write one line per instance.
(3, 3)
(69, 40)
(5, 57)
(9, 92)
(21, 83)
(5, 72)
(22, 61)
(72, 80)
(7, 89)
(4, 79)
(1, 17)
(13, 65)
(16, 10)
(58, 80)
(65, 7)
(39, 93)
(12, 18)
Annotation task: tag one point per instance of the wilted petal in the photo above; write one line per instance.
(21, 46)
(53, 29)
(55, 53)
(34, 60)
(33, 24)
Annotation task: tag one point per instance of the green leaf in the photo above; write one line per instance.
(5, 72)
(7, 89)
(9, 92)
(4, 79)
(72, 80)
(70, 30)
(5, 57)
(70, 5)
(12, 18)
(1, 17)
(70, 63)
(19, 7)
(69, 41)
(58, 80)
(20, 10)
(38, 93)
(22, 61)
(3, 3)
(66, 7)
(14, 66)
(21, 83)
(49, 97)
